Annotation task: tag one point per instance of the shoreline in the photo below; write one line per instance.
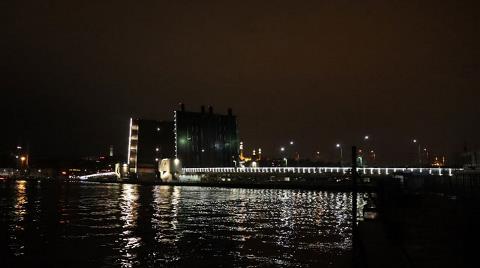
(334, 187)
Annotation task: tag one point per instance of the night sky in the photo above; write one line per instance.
(318, 72)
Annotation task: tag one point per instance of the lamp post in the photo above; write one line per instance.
(415, 141)
(339, 146)
(365, 150)
(282, 150)
(293, 153)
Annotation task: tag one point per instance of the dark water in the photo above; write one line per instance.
(124, 225)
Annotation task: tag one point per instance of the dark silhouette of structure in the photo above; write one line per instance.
(205, 139)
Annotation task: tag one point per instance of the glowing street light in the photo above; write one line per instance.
(23, 161)
(426, 153)
(291, 142)
(419, 151)
(365, 148)
(282, 150)
(339, 146)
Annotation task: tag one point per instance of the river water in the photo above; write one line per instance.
(126, 225)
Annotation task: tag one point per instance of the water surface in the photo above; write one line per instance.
(127, 225)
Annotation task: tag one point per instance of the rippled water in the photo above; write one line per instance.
(126, 225)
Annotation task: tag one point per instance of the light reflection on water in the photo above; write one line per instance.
(131, 225)
(129, 214)
(17, 229)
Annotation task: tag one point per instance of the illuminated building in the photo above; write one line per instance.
(149, 142)
(242, 157)
(439, 162)
(244, 160)
(205, 139)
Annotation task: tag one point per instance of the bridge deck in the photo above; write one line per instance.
(320, 170)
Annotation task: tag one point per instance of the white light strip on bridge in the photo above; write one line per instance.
(343, 170)
(106, 174)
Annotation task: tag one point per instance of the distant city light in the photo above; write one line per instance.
(158, 129)
(19, 147)
(282, 149)
(366, 137)
(414, 140)
(338, 145)
(156, 149)
(291, 142)
(176, 161)
(23, 158)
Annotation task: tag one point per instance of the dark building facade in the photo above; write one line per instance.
(149, 142)
(205, 139)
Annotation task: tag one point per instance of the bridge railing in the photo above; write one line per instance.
(320, 170)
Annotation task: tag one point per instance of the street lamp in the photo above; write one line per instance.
(291, 152)
(415, 141)
(341, 153)
(282, 150)
(23, 159)
(364, 152)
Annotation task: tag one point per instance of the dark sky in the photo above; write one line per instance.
(319, 72)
